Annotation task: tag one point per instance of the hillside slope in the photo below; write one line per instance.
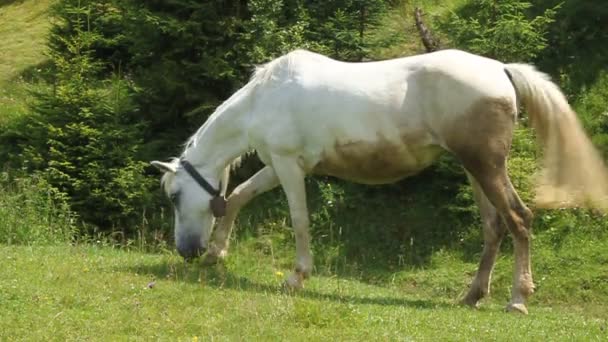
(23, 30)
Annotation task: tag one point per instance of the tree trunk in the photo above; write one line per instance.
(430, 44)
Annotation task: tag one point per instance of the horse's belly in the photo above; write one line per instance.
(375, 162)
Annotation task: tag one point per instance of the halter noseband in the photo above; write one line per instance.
(218, 202)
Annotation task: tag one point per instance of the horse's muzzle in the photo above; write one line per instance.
(190, 248)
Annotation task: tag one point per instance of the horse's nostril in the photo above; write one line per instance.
(190, 249)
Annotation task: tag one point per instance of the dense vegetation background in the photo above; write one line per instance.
(125, 82)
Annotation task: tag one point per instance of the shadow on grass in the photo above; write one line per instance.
(10, 2)
(220, 277)
(358, 230)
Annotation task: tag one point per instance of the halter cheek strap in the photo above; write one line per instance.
(218, 202)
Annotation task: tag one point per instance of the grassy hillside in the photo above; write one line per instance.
(398, 27)
(23, 29)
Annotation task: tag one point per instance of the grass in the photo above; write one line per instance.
(32, 213)
(93, 292)
(23, 29)
(397, 36)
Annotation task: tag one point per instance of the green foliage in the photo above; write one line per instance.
(32, 212)
(268, 34)
(101, 20)
(342, 26)
(84, 137)
(181, 55)
(500, 29)
(578, 40)
(592, 106)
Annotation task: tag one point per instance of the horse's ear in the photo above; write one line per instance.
(164, 167)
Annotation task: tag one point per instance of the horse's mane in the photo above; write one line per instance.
(261, 75)
(281, 66)
(264, 73)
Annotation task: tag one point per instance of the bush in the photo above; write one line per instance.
(592, 106)
(578, 42)
(84, 135)
(499, 29)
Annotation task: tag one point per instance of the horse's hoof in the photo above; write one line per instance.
(293, 283)
(517, 307)
(472, 303)
(213, 259)
(209, 260)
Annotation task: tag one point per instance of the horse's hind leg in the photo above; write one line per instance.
(493, 232)
(518, 218)
(262, 181)
(481, 139)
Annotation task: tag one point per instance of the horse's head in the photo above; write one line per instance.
(196, 204)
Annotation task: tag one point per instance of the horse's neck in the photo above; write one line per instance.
(222, 139)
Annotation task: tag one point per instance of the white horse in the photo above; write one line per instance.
(376, 123)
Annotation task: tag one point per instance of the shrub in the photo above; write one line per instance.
(84, 134)
(592, 106)
(499, 29)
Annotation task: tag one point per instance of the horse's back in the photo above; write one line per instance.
(312, 85)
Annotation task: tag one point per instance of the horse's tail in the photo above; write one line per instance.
(573, 173)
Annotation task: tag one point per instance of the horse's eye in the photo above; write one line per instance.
(174, 197)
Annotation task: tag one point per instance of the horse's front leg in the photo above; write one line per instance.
(291, 176)
(262, 181)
